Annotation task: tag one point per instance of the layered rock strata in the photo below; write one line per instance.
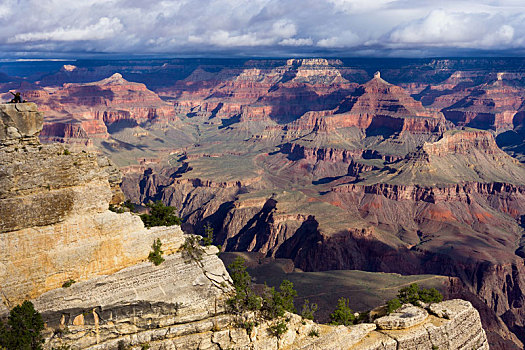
(54, 219)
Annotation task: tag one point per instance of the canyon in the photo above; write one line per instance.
(56, 228)
(322, 162)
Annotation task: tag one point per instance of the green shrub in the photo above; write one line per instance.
(412, 294)
(116, 209)
(155, 256)
(191, 249)
(314, 332)
(431, 295)
(287, 294)
(160, 215)
(66, 152)
(129, 205)
(393, 305)
(68, 283)
(248, 325)
(207, 240)
(308, 310)
(244, 299)
(278, 328)
(342, 315)
(23, 328)
(276, 303)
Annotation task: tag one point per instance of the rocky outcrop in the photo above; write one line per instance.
(76, 109)
(55, 224)
(185, 309)
(489, 106)
(375, 107)
(19, 122)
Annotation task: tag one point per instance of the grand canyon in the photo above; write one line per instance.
(405, 166)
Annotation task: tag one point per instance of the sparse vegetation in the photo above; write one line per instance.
(308, 310)
(155, 256)
(66, 152)
(392, 305)
(23, 328)
(122, 208)
(68, 283)
(413, 293)
(278, 328)
(207, 240)
(244, 298)
(314, 332)
(191, 249)
(129, 205)
(116, 209)
(276, 303)
(248, 325)
(342, 315)
(160, 215)
(272, 305)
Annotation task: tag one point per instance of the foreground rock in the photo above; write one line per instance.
(55, 224)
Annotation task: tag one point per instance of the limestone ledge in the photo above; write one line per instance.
(44, 184)
(162, 326)
(37, 259)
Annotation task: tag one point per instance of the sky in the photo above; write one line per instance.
(262, 28)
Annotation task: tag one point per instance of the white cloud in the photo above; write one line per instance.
(442, 28)
(284, 28)
(358, 6)
(226, 39)
(345, 39)
(297, 42)
(104, 28)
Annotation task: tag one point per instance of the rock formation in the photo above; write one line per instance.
(55, 221)
(76, 112)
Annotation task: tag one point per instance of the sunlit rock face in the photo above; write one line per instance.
(55, 224)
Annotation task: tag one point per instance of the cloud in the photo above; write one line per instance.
(297, 42)
(104, 28)
(345, 39)
(260, 27)
(442, 28)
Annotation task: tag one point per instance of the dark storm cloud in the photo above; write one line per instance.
(260, 27)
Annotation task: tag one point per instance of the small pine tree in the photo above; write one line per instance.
(244, 298)
(160, 215)
(409, 294)
(308, 310)
(191, 249)
(23, 328)
(342, 315)
(393, 305)
(412, 294)
(278, 328)
(207, 240)
(430, 295)
(155, 256)
(287, 294)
